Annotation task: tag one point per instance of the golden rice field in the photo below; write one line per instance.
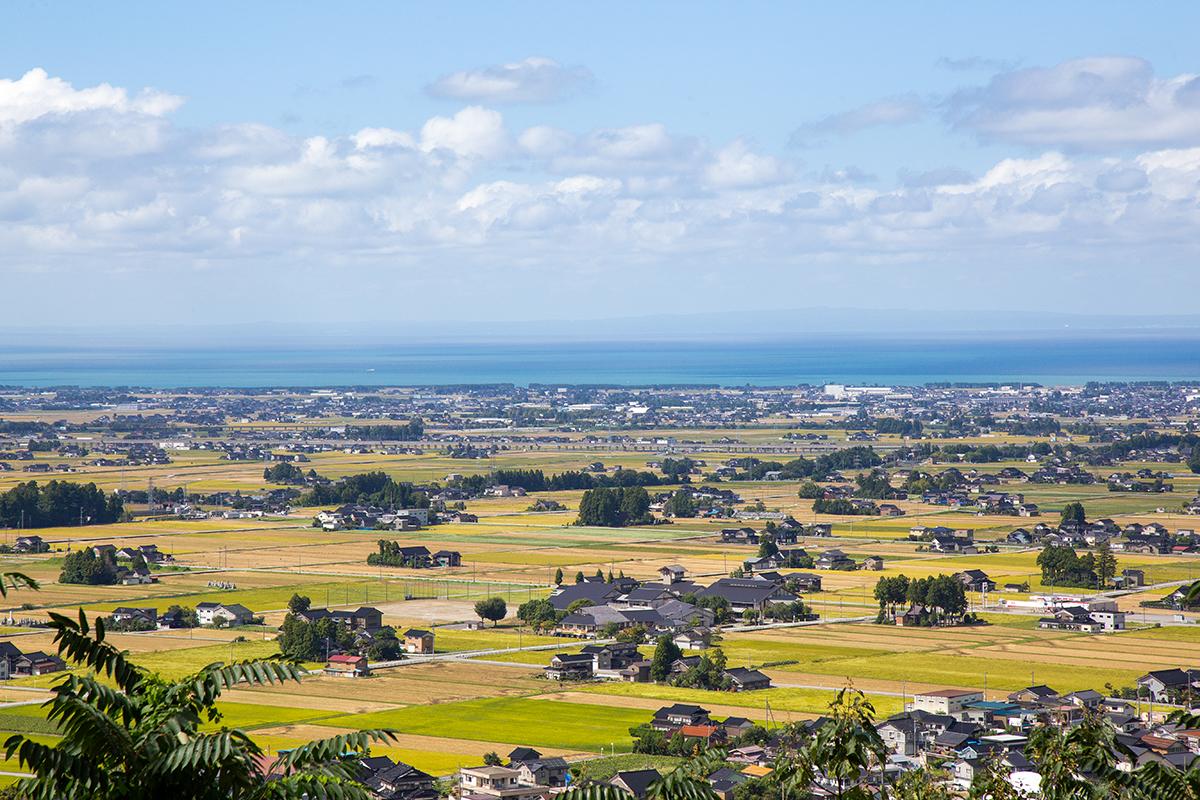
(451, 712)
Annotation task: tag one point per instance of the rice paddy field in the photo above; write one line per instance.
(484, 691)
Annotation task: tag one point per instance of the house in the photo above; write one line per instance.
(223, 614)
(748, 594)
(1131, 578)
(365, 618)
(736, 726)
(709, 733)
(693, 639)
(725, 781)
(609, 660)
(1164, 684)
(570, 667)
(834, 559)
(172, 619)
(542, 771)
(1020, 537)
(447, 558)
(1034, 694)
(391, 780)
(673, 717)
(347, 666)
(31, 544)
(975, 580)
(1086, 698)
(496, 783)
(595, 593)
(739, 536)
(9, 653)
(947, 702)
(747, 680)
(802, 582)
(126, 614)
(672, 573)
(418, 641)
(890, 510)
(520, 754)
(415, 556)
(872, 563)
(37, 663)
(135, 576)
(1079, 618)
(635, 781)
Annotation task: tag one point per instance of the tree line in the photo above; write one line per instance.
(942, 599)
(615, 507)
(368, 488)
(410, 431)
(58, 504)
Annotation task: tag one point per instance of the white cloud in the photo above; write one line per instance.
(35, 94)
(889, 111)
(735, 166)
(473, 132)
(544, 141)
(532, 80)
(368, 138)
(458, 195)
(1101, 103)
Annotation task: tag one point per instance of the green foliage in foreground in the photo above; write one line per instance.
(144, 736)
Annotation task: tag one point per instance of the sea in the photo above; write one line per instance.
(866, 359)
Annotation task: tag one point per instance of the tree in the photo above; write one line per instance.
(681, 504)
(634, 506)
(927, 783)
(1193, 461)
(891, 592)
(493, 608)
(537, 613)
(187, 615)
(599, 507)
(846, 748)
(491, 759)
(614, 507)
(144, 736)
(558, 577)
(1074, 512)
(1061, 566)
(299, 602)
(84, 566)
(1106, 563)
(767, 547)
(991, 782)
(1064, 757)
(56, 504)
(634, 634)
(810, 491)
(666, 653)
(579, 576)
(283, 472)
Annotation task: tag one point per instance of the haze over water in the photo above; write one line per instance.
(874, 360)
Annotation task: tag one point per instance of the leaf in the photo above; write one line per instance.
(16, 580)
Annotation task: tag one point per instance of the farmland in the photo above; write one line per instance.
(483, 689)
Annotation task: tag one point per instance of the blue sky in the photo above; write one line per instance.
(555, 160)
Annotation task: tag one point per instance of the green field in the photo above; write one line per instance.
(528, 721)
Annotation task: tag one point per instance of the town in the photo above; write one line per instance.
(547, 588)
